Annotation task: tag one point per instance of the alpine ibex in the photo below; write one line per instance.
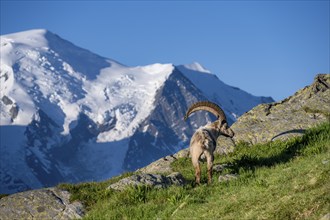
(205, 138)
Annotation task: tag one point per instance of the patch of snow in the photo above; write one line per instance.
(195, 66)
(127, 91)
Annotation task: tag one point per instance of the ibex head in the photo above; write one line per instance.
(220, 124)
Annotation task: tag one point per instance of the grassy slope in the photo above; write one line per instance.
(277, 180)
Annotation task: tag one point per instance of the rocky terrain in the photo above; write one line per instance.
(49, 203)
(266, 122)
(289, 117)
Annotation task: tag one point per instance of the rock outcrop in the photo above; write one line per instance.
(282, 120)
(151, 180)
(163, 165)
(48, 203)
(227, 177)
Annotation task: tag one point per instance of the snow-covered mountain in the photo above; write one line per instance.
(69, 115)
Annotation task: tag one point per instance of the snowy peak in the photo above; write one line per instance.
(32, 38)
(43, 71)
(196, 67)
(44, 41)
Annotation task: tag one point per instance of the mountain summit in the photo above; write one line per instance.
(69, 115)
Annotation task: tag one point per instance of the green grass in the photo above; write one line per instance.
(277, 180)
(92, 192)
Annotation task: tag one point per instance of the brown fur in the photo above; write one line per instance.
(204, 142)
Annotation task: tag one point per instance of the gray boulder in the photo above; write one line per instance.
(163, 165)
(49, 203)
(152, 180)
(326, 217)
(227, 177)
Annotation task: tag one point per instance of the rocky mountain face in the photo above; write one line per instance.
(69, 115)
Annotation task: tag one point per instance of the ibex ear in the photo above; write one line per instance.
(220, 124)
(223, 122)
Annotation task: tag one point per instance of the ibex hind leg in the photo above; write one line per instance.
(195, 155)
(197, 173)
(209, 157)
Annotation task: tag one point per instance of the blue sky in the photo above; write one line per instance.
(270, 48)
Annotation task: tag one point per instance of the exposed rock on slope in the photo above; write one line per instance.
(151, 180)
(290, 117)
(50, 203)
(163, 165)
